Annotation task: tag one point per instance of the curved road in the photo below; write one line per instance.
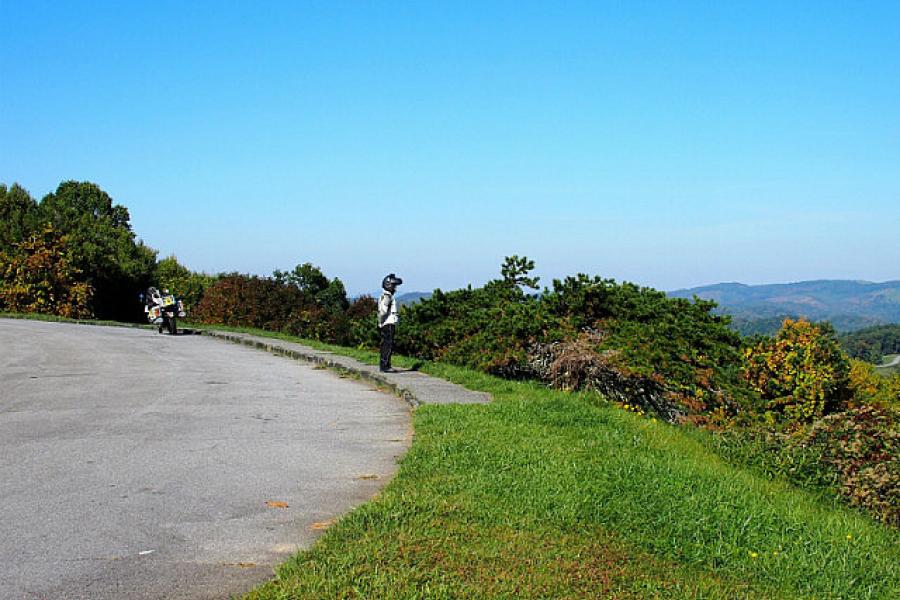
(893, 363)
(139, 465)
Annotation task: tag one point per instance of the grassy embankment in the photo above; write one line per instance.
(553, 495)
(549, 494)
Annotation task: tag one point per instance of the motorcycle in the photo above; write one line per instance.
(163, 310)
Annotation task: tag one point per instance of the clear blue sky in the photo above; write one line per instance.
(670, 144)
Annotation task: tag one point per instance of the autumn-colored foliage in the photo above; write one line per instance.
(862, 446)
(37, 276)
(290, 305)
(101, 251)
(801, 373)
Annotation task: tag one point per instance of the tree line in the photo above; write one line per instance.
(873, 343)
(74, 254)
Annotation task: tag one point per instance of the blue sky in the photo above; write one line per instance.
(670, 144)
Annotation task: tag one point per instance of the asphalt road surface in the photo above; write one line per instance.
(139, 465)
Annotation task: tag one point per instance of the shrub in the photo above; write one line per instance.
(320, 312)
(645, 340)
(578, 365)
(361, 322)
(249, 301)
(801, 373)
(862, 446)
(186, 284)
(489, 328)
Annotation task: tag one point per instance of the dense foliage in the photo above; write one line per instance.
(37, 276)
(101, 249)
(188, 285)
(18, 216)
(873, 343)
(861, 446)
(489, 328)
(303, 302)
(830, 421)
(585, 333)
(801, 373)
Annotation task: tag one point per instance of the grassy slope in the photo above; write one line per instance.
(549, 494)
(544, 494)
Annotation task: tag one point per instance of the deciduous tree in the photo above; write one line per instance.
(38, 277)
(102, 246)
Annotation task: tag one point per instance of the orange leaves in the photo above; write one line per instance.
(276, 504)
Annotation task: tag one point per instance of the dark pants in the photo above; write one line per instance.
(387, 346)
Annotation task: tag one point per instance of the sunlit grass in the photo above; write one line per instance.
(548, 494)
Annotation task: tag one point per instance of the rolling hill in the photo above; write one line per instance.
(848, 305)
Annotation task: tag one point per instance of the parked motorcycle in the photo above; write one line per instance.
(163, 310)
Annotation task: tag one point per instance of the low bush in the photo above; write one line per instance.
(862, 447)
(672, 355)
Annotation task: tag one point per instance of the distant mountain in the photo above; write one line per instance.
(412, 297)
(848, 305)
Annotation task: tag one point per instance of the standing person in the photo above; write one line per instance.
(388, 315)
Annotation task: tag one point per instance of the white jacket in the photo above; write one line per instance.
(387, 310)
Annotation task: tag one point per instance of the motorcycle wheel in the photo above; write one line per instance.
(173, 327)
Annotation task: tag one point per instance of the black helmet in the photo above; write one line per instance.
(390, 282)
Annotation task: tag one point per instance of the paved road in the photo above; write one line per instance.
(893, 363)
(138, 465)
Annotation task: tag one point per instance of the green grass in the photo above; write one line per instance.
(544, 494)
